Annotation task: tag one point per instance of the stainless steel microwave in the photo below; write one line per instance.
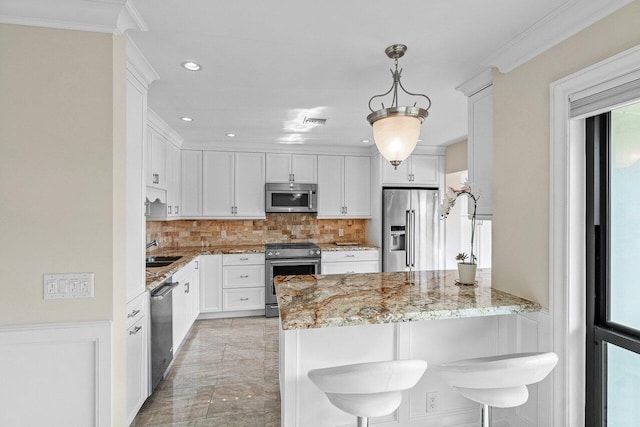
(291, 198)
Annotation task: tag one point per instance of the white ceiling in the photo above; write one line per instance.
(267, 64)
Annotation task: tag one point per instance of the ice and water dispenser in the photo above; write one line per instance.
(398, 238)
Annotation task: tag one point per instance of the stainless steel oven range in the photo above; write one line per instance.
(286, 259)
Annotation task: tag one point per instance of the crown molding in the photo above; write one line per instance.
(139, 64)
(477, 83)
(279, 148)
(567, 20)
(100, 16)
(159, 125)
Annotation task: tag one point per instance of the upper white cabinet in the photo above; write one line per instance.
(480, 150)
(417, 169)
(301, 168)
(233, 184)
(479, 89)
(344, 187)
(191, 183)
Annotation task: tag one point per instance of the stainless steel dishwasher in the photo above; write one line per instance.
(161, 332)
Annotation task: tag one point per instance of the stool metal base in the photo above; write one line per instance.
(486, 416)
(363, 422)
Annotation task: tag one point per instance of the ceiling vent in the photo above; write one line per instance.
(314, 121)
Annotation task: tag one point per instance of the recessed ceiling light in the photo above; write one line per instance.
(186, 119)
(365, 141)
(192, 66)
(231, 135)
(419, 140)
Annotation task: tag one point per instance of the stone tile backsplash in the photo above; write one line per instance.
(276, 228)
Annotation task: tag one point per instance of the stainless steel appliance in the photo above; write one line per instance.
(286, 259)
(411, 230)
(161, 332)
(291, 198)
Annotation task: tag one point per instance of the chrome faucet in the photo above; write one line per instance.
(154, 243)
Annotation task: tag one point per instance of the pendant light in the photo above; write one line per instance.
(396, 129)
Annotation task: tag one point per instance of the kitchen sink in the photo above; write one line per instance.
(163, 258)
(156, 264)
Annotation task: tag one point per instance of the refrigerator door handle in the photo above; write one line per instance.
(407, 248)
(413, 238)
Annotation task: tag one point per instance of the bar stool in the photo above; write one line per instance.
(499, 381)
(370, 389)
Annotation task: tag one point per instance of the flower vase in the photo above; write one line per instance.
(467, 273)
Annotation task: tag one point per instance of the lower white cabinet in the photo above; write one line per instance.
(137, 342)
(243, 282)
(210, 283)
(350, 261)
(185, 302)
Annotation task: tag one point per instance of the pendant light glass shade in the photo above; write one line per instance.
(396, 137)
(396, 129)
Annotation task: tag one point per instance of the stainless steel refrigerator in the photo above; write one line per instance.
(411, 230)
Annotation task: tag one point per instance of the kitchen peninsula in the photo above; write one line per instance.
(328, 320)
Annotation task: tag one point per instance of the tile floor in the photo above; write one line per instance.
(225, 375)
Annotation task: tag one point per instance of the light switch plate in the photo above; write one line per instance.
(68, 285)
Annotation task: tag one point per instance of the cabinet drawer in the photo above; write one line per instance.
(137, 308)
(243, 299)
(242, 276)
(350, 267)
(243, 259)
(337, 256)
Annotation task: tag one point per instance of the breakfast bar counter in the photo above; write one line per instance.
(330, 320)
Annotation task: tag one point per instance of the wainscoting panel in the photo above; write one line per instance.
(56, 375)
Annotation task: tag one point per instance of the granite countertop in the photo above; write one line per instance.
(331, 247)
(320, 301)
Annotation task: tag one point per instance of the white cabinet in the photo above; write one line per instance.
(155, 156)
(350, 261)
(344, 187)
(185, 302)
(173, 168)
(210, 283)
(137, 338)
(136, 94)
(233, 185)
(301, 168)
(480, 150)
(243, 282)
(418, 169)
(191, 183)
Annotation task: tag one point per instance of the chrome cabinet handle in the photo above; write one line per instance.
(197, 264)
(186, 288)
(245, 259)
(293, 177)
(351, 272)
(244, 299)
(156, 178)
(177, 211)
(169, 209)
(244, 276)
(350, 256)
(135, 330)
(134, 313)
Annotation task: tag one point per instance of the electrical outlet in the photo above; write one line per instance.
(432, 401)
(340, 232)
(223, 234)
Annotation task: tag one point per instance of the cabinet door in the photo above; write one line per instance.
(218, 183)
(304, 168)
(158, 157)
(134, 188)
(173, 180)
(136, 367)
(249, 185)
(357, 186)
(178, 311)
(425, 169)
(330, 186)
(191, 183)
(191, 300)
(278, 167)
(210, 283)
(480, 150)
(391, 175)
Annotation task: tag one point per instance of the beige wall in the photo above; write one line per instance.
(456, 157)
(521, 150)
